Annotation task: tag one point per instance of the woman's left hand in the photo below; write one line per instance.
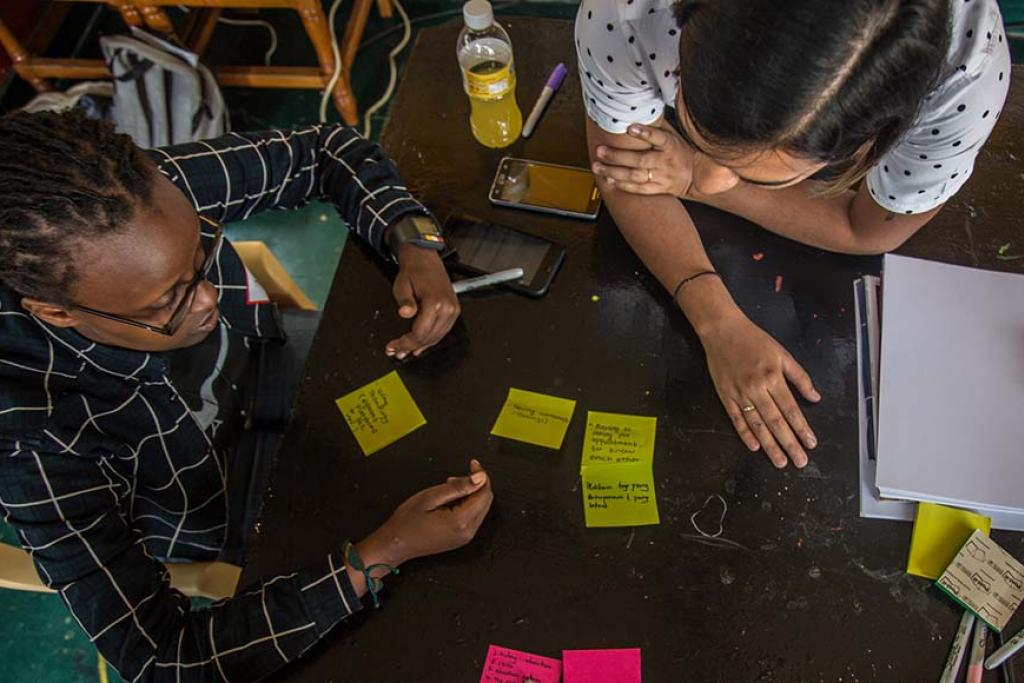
(665, 168)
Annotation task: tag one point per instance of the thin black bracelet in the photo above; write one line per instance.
(691, 278)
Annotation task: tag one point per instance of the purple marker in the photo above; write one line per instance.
(554, 82)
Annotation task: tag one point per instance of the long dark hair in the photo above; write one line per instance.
(836, 81)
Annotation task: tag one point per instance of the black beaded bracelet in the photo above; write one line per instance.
(691, 278)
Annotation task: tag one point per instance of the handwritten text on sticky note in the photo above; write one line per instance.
(380, 413)
(619, 495)
(534, 418)
(512, 666)
(613, 439)
(601, 666)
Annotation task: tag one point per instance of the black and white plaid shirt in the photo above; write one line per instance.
(103, 467)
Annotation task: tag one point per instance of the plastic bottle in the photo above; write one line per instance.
(488, 76)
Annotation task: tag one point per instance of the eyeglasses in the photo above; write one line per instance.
(185, 305)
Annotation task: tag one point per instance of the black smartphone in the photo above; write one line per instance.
(549, 188)
(481, 247)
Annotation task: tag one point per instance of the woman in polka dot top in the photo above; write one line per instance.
(842, 124)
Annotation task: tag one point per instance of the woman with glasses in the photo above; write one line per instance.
(842, 124)
(145, 380)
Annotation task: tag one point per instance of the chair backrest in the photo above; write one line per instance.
(269, 272)
(214, 580)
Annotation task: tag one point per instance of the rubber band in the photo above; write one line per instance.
(721, 519)
(373, 585)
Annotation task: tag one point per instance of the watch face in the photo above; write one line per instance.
(425, 225)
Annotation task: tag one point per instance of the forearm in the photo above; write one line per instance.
(799, 214)
(663, 235)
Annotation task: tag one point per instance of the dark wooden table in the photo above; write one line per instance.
(797, 588)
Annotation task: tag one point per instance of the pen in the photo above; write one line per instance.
(1005, 651)
(510, 275)
(554, 81)
(956, 652)
(975, 665)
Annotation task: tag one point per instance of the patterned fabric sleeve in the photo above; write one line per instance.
(69, 512)
(234, 176)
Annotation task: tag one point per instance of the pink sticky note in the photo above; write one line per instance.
(512, 666)
(602, 666)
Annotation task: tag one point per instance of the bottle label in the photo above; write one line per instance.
(490, 83)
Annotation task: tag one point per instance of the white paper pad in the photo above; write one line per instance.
(951, 399)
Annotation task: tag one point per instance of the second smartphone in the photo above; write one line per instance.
(549, 188)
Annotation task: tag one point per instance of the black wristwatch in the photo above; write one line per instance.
(416, 229)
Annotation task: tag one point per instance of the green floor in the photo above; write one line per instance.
(38, 640)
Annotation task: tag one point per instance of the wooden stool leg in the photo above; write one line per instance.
(157, 20)
(202, 30)
(130, 15)
(315, 22)
(21, 59)
(354, 32)
(385, 8)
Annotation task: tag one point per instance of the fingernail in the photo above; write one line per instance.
(478, 477)
(633, 130)
(601, 151)
(389, 352)
(812, 441)
(402, 355)
(610, 181)
(815, 395)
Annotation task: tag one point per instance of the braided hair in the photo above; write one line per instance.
(64, 178)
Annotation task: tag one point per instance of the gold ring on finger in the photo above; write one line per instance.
(650, 176)
(748, 408)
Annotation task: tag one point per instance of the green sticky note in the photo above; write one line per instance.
(534, 418)
(615, 439)
(939, 533)
(380, 413)
(619, 495)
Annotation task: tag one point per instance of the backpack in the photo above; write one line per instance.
(162, 94)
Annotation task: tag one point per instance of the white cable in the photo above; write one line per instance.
(392, 71)
(337, 62)
(256, 22)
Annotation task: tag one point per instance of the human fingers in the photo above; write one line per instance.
(635, 188)
(763, 434)
(616, 156)
(453, 489)
(656, 136)
(794, 416)
(626, 173)
(784, 437)
(795, 373)
(739, 423)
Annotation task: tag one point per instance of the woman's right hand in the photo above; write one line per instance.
(752, 373)
(435, 520)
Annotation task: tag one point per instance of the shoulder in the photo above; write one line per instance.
(627, 60)
(936, 156)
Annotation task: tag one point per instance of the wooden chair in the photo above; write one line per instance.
(214, 580)
(265, 267)
(196, 33)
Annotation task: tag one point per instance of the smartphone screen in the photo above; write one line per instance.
(483, 247)
(546, 187)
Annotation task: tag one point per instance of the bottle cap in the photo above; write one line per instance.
(478, 14)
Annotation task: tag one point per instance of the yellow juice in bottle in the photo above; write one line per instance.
(489, 78)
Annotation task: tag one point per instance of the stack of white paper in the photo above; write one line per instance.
(950, 421)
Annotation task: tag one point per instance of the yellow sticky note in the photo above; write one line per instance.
(380, 413)
(939, 533)
(534, 418)
(619, 495)
(615, 439)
